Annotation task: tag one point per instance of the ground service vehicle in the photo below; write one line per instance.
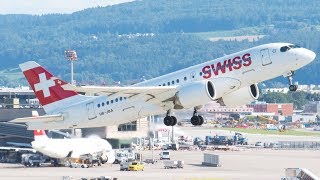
(148, 161)
(31, 159)
(120, 157)
(165, 155)
(136, 166)
(173, 164)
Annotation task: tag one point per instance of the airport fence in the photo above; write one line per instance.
(298, 145)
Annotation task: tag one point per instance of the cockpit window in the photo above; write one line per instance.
(284, 48)
(294, 46)
(287, 48)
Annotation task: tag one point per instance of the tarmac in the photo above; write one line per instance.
(249, 164)
(245, 164)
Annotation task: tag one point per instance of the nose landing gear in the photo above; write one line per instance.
(292, 87)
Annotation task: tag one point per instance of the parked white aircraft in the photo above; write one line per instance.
(230, 80)
(72, 148)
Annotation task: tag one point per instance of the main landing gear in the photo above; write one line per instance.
(170, 120)
(196, 120)
(292, 87)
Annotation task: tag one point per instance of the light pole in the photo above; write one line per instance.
(71, 55)
(140, 144)
(152, 142)
(172, 135)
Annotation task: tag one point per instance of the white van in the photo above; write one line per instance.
(165, 155)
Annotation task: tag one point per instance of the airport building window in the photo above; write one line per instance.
(131, 126)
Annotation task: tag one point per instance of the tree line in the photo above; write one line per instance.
(145, 39)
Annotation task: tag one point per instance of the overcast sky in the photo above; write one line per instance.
(51, 6)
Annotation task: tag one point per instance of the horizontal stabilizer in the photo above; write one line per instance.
(39, 119)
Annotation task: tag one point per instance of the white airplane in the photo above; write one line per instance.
(230, 80)
(72, 148)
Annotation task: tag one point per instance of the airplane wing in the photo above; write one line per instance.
(42, 119)
(20, 144)
(150, 91)
(17, 149)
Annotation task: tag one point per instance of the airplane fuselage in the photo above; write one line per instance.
(71, 148)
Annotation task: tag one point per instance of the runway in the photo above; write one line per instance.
(262, 164)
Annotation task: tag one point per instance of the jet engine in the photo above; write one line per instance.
(241, 96)
(194, 94)
(108, 157)
(202, 92)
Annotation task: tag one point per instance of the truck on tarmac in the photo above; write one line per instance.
(31, 159)
(173, 164)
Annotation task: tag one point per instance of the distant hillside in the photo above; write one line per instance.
(149, 38)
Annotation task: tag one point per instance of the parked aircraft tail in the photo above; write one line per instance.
(39, 135)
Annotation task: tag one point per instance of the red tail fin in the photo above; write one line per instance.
(40, 134)
(47, 88)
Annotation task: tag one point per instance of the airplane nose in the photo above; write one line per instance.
(309, 55)
(305, 56)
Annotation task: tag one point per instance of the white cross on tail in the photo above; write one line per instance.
(44, 85)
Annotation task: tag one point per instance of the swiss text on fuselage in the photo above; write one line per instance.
(229, 64)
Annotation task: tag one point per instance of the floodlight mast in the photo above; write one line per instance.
(71, 55)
